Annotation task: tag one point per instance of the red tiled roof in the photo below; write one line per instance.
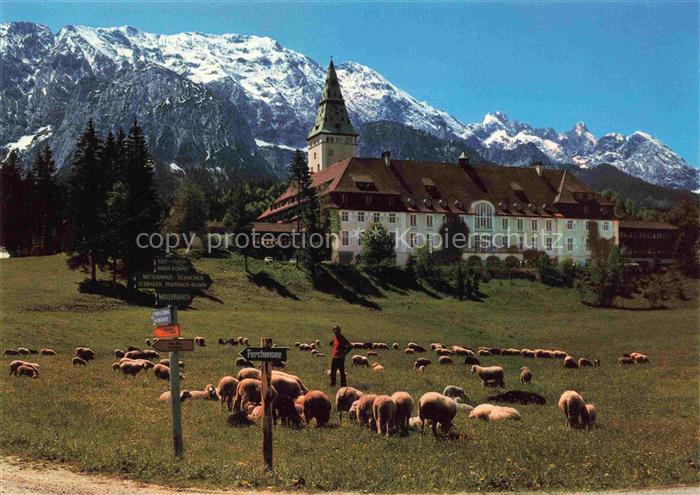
(275, 227)
(642, 224)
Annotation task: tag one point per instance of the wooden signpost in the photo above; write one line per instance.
(268, 355)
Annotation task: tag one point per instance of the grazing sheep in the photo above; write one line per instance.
(26, 370)
(248, 391)
(352, 412)
(470, 360)
(408, 350)
(132, 348)
(166, 362)
(162, 372)
(365, 410)
(297, 344)
(283, 408)
(625, 360)
(225, 391)
(241, 361)
(255, 412)
(592, 415)
(436, 409)
(453, 391)
(115, 366)
(587, 362)
(132, 368)
(559, 354)
(209, 393)
(147, 342)
(544, 354)
(404, 409)
(525, 375)
(249, 373)
(317, 406)
(304, 347)
(641, 359)
(395, 346)
(518, 396)
(287, 384)
(119, 353)
(85, 353)
(569, 362)
(483, 352)
(145, 363)
(384, 411)
(372, 354)
(10, 352)
(378, 368)
(184, 395)
(444, 352)
(421, 369)
(445, 360)
(417, 348)
(78, 361)
(150, 354)
(494, 413)
(292, 377)
(358, 360)
(511, 352)
(200, 341)
(491, 375)
(344, 398)
(47, 352)
(23, 351)
(421, 362)
(14, 366)
(574, 408)
(245, 340)
(527, 353)
(462, 406)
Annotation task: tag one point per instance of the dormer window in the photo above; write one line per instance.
(483, 215)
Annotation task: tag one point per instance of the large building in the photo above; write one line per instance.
(507, 210)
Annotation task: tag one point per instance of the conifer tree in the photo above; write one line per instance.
(47, 205)
(12, 199)
(308, 214)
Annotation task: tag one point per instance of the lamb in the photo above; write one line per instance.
(200, 341)
(184, 395)
(248, 391)
(408, 350)
(395, 346)
(23, 351)
(592, 415)
(574, 408)
(26, 370)
(10, 352)
(404, 409)
(209, 393)
(15, 365)
(491, 375)
(454, 391)
(130, 368)
(525, 375)
(365, 411)
(225, 391)
(527, 353)
(384, 411)
(317, 406)
(444, 352)
(344, 398)
(283, 408)
(249, 373)
(358, 360)
(241, 361)
(162, 372)
(166, 362)
(78, 361)
(461, 351)
(445, 360)
(494, 413)
(436, 409)
(625, 360)
(421, 362)
(641, 359)
(569, 362)
(85, 353)
(47, 352)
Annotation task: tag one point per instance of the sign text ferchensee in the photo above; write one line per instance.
(265, 353)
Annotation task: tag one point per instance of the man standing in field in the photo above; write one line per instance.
(341, 346)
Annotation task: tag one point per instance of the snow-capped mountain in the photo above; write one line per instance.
(236, 101)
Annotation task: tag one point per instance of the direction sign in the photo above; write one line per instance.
(265, 353)
(174, 345)
(174, 280)
(167, 331)
(161, 317)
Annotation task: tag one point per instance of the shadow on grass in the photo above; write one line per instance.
(617, 307)
(119, 291)
(263, 279)
(326, 281)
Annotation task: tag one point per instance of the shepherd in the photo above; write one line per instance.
(341, 347)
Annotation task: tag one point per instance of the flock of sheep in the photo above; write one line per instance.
(293, 404)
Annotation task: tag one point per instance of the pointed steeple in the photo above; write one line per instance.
(332, 116)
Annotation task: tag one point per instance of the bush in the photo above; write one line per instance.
(511, 262)
(474, 260)
(377, 254)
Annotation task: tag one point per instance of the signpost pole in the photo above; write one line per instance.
(175, 393)
(266, 373)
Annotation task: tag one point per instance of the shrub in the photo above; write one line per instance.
(377, 254)
(511, 262)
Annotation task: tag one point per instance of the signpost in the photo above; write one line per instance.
(174, 345)
(267, 354)
(170, 331)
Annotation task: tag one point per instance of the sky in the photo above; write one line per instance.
(617, 66)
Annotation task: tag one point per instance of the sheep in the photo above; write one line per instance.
(462, 406)
(15, 365)
(119, 353)
(569, 362)
(525, 375)
(255, 412)
(166, 362)
(462, 351)
(302, 387)
(358, 360)
(435, 345)
(132, 348)
(297, 344)
(372, 354)
(245, 340)
(574, 408)
(85, 353)
(384, 411)
(26, 370)
(317, 406)
(641, 359)
(352, 412)
(147, 342)
(47, 352)
(625, 360)
(592, 415)
(249, 373)
(491, 375)
(115, 366)
(162, 372)
(404, 409)
(483, 352)
(10, 352)
(365, 410)
(144, 362)
(209, 393)
(130, 368)
(436, 409)
(241, 361)
(23, 351)
(421, 362)
(444, 352)
(518, 396)
(378, 368)
(344, 398)
(445, 360)
(184, 395)
(248, 391)
(200, 341)
(283, 408)
(511, 352)
(527, 353)
(225, 391)
(417, 348)
(395, 346)
(150, 354)
(287, 384)
(559, 354)
(421, 369)
(408, 350)
(380, 345)
(453, 391)
(494, 413)
(78, 361)
(304, 347)
(470, 360)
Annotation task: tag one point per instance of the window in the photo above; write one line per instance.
(569, 244)
(520, 242)
(534, 225)
(606, 225)
(344, 216)
(412, 221)
(360, 235)
(314, 155)
(548, 243)
(376, 217)
(534, 242)
(504, 224)
(429, 221)
(360, 216)
(548, 225)
(519, 224)
(345, 238)
(569, 224)
(392, 217)
(483, 216)
(412, 240)
(392, 235)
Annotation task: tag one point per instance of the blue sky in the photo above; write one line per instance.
(619, 67)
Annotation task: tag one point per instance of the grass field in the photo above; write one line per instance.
(95, 419)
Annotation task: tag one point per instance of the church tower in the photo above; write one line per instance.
(332, 138)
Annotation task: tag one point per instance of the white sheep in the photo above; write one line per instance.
(494, 413)
(384, 411)
(436, 408)
(525, 375)
(574, 408)
(404, 408)
(491, 375)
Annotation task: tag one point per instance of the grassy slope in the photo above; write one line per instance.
(98, 420)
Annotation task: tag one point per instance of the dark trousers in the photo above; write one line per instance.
(338, 365)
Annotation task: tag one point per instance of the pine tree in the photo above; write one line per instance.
(12, 199)
(47, 200)
(115, 219)
(308, 214)
(239, 219)
(190, 209)
(87, 197)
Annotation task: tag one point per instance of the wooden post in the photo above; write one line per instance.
(175, 394)
(266, 393)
